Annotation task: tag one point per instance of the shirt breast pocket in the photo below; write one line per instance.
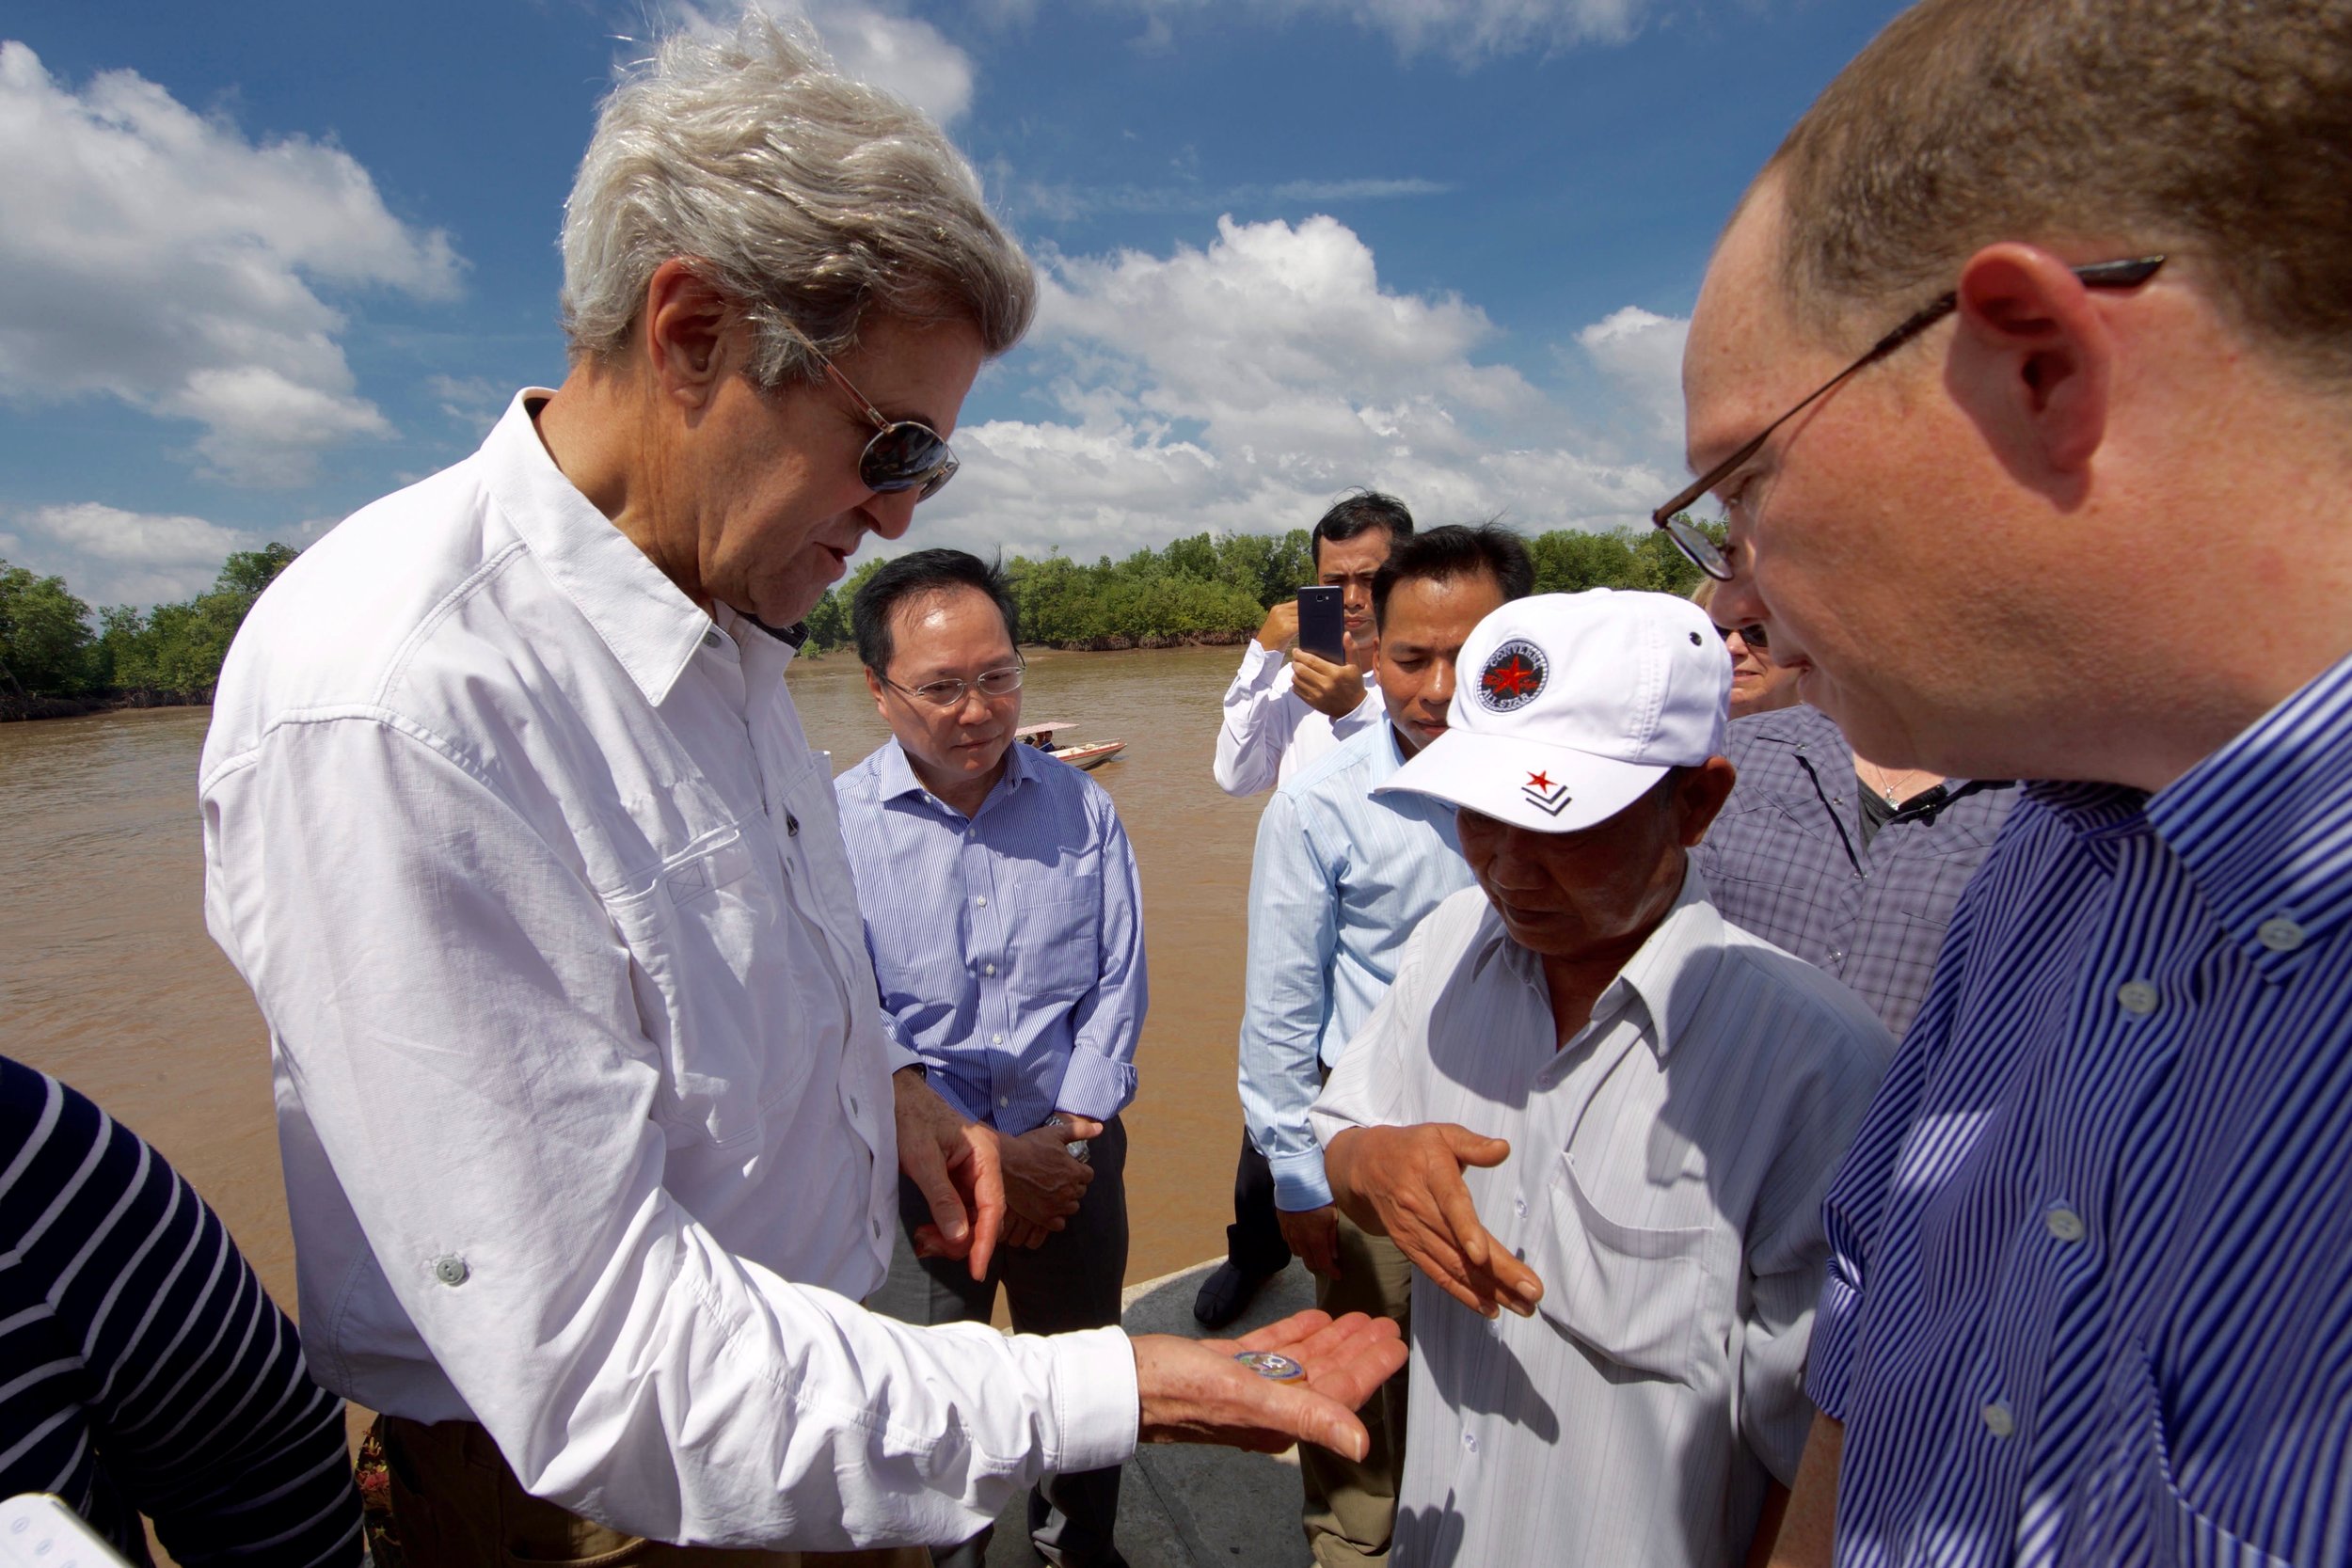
(709, 921)
(1056, 931)
(1634, 1296)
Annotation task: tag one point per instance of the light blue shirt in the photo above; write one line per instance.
(1340, 878)
(1007, 947)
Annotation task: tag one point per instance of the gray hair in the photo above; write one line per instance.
(806, 197)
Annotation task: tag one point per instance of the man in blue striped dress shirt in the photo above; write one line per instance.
(1006, 923)
(2090, 1294)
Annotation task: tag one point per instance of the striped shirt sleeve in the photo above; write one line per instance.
(152, 1374)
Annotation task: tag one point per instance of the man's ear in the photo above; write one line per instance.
(2033, 364)
(874, 685)
(685, 328)
(1700, 796)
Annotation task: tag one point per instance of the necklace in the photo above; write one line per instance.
(1893, 786)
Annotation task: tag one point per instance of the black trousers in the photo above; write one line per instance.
(1253, 1243)
(1071, 1280)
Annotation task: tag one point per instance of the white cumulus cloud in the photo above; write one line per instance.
(110, 556)
(1242, 387)
(161, 257)
(1641, 353)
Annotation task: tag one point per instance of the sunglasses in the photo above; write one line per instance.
(1692, 538)
(1752, 635)
(904, 454)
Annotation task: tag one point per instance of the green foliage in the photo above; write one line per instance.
(1217, 587)
(44, 636)
(173, 651)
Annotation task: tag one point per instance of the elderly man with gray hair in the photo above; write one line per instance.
(590, 1132)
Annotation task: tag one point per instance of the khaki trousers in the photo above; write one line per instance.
(1351, 1508)
(455, 1504)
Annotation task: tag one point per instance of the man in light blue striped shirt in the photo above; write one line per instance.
(2090, 1296)
(1341, 876)
(1005, 919)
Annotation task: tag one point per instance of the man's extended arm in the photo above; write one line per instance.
(1294, 938)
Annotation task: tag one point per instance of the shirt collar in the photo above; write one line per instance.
(894, 775)
(1668, 976)
(2260, 824)
(651, 627)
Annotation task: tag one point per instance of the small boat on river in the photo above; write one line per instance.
(1093, 754)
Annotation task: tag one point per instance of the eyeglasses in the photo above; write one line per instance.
(1753, 636)
(1705, 553)
(904, 454)
(990, 684)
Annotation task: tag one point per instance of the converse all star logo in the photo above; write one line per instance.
(1543, 795)
(1513, 677)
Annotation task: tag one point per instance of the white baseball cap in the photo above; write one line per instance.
(1569, 706)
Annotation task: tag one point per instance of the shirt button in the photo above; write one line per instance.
(1997, 1420)
(2136, 997)
(2064, 1224)
(791, 826)
(990, 969)
(2280, 934)
(981, 900)
(996, 1039)
(853, 1104)
(877, 1230)
(710, 640)
(1003, 1101)
(1469, 1441)
(450, 1270)
(1519, 1205)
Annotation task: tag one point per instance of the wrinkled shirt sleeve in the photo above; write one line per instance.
(1261, 713)
(1100, 1081)
(438, 975)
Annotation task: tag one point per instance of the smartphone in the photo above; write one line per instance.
(1323, 622)
(37, 1530)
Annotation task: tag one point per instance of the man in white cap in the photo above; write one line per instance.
(1589, 1100)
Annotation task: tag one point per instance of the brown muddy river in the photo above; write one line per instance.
(108, 980)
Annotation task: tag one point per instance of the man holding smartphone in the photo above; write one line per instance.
(1280, 716)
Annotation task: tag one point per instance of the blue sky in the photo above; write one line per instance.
(261, 264)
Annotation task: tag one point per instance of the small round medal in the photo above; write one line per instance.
(1265, 1363)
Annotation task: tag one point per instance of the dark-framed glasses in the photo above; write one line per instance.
(1692, 538)
(904, 454)
(1002, 681)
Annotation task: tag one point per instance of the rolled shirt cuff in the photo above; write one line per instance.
(1095, 1400)
(1829, 1355)
(1298, 1180)
(1095, 1086)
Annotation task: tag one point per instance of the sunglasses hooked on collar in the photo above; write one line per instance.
(904, 454)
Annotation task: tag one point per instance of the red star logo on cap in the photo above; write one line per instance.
(1538, 781)
(1513, 677)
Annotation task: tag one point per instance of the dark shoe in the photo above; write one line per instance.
(1226, 1295)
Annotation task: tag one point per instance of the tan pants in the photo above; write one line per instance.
(1351, 1508)
(455, 1504)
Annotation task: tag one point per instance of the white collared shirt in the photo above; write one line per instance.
(1269, 733)
(584, 1107)
(1665, 1179)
